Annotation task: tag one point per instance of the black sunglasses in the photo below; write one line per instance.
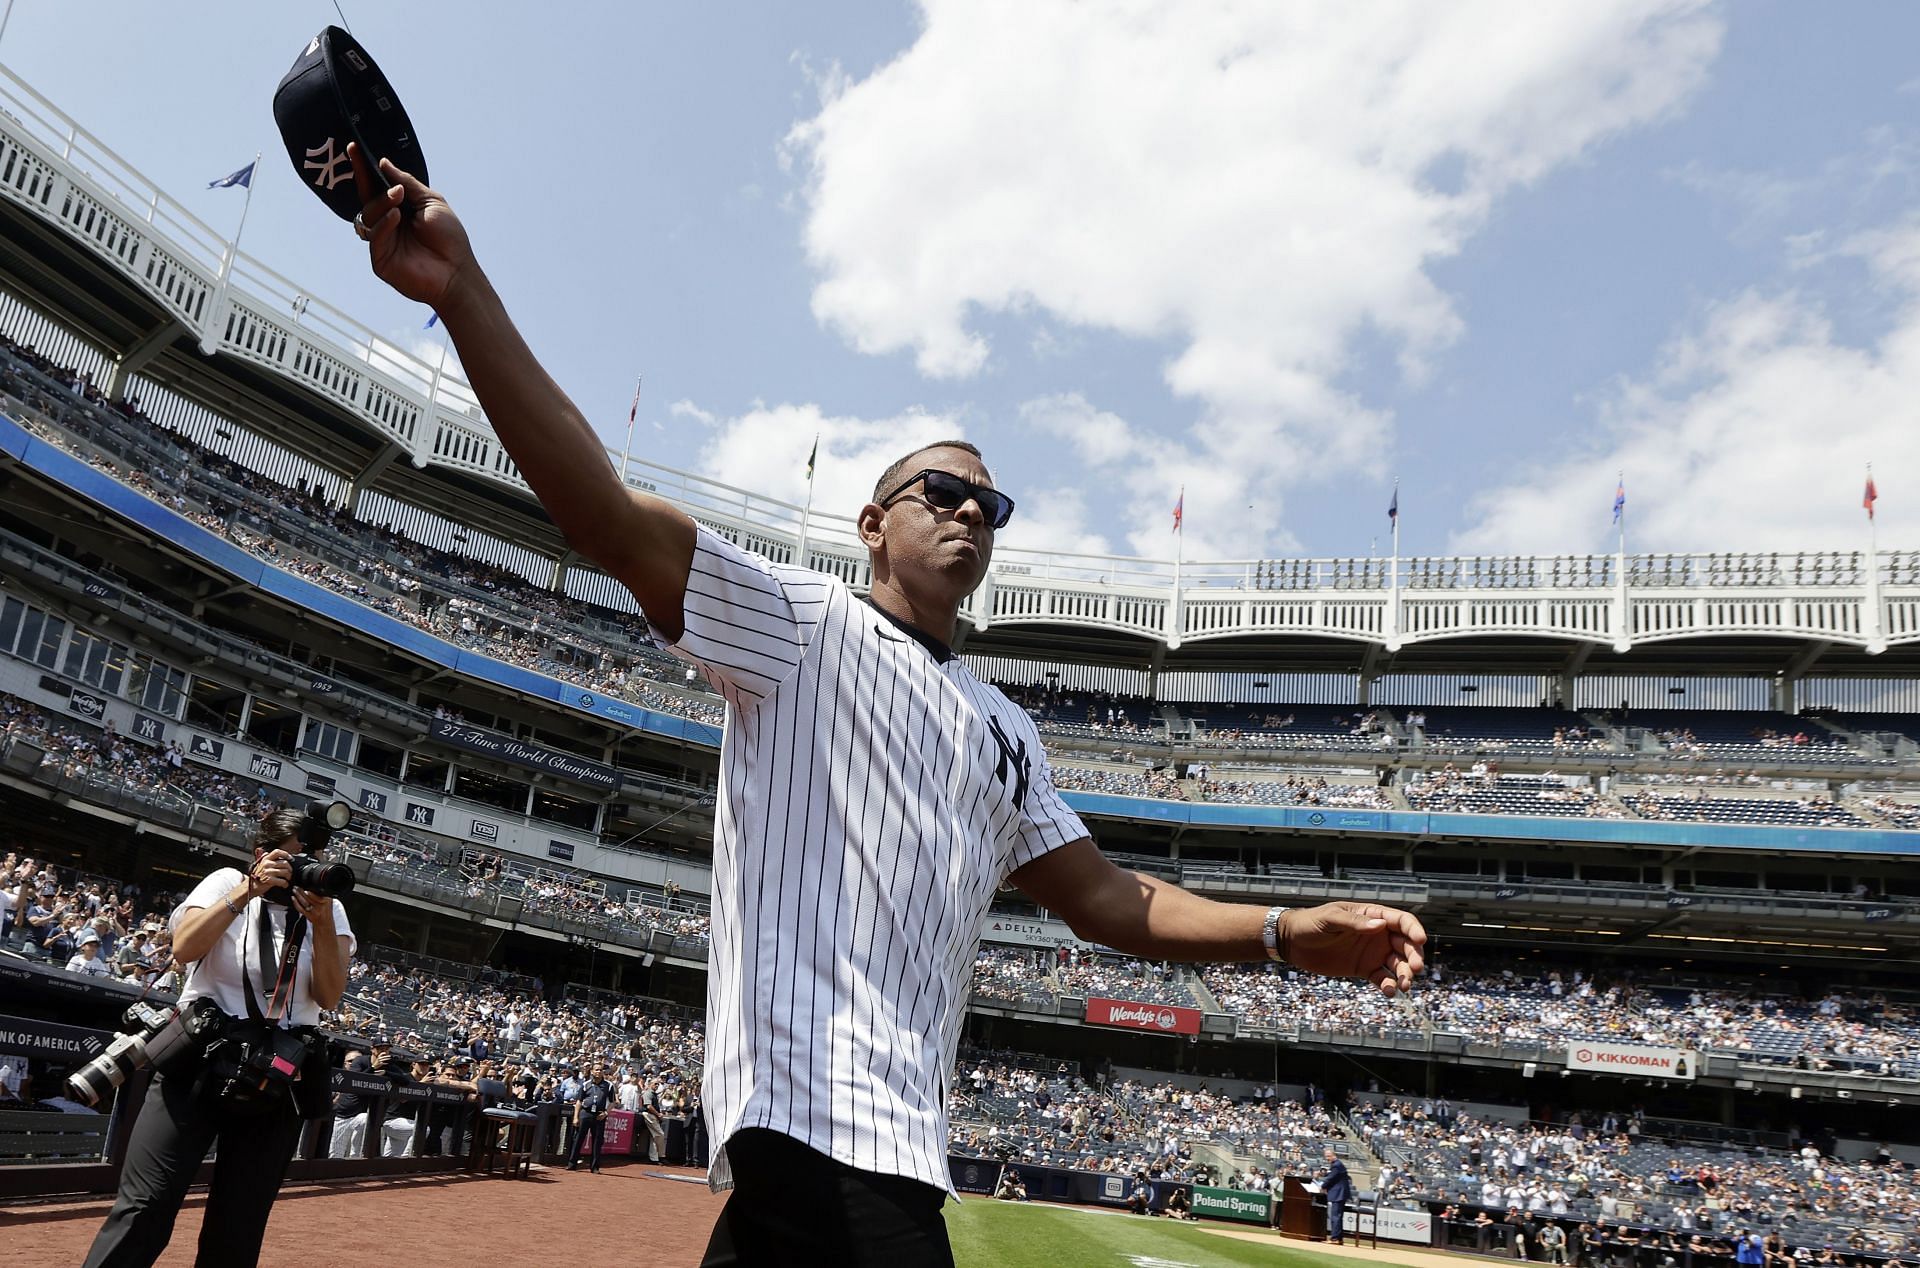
(948, 492)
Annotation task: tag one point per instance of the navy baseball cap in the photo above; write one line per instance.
(334, 94)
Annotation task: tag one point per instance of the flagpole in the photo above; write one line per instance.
(1621, 611)
(626, 450)
(1621, 520)
(1396, 537)
(806, 512)
(1179, 558)
(1876, 625)
(433, 393)
(217, 311)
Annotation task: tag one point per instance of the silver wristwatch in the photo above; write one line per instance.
(1270, 932)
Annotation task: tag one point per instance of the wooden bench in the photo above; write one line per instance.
(38, 1136)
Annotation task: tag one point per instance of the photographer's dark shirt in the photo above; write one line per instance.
(594, 1099)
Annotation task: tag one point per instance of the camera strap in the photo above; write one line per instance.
(283, 979)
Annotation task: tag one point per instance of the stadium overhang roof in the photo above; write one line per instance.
(1713, 655)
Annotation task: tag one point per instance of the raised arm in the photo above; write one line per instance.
(1143, 916)
(419, 247)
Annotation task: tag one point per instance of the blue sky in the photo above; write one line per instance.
(1278, 254)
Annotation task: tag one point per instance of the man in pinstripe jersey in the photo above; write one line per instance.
(873, 795)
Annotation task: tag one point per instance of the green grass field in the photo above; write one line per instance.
(1017, 1235)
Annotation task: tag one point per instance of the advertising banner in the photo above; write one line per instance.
(1633, 1058)
(1232, 1204)
(974, 1175)
(1164, 1018)
(506, 748)
(620, 1133)
(65, 1045)
(1023, 931)
(363, 1082)
(1394, 1226)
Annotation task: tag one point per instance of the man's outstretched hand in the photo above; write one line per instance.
(1343, 939)
(417, 245)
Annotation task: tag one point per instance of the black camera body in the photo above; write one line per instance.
(318, 875)
(257, 1065)
(165, 1038)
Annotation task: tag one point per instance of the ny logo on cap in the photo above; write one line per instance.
(332, 166)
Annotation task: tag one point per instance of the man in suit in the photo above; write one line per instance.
(1337, 1187)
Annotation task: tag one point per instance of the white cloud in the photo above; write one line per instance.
(1255, 183)
(687, 409)
(1752, 433)
(765, 450)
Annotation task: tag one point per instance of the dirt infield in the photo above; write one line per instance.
(630, 1214)
(623, 1216)
(1385, 1253)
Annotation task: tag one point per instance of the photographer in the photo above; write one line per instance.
(268, 957)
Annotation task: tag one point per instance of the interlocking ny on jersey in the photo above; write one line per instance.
(873, 795)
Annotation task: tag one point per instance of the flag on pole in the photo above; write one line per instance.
(633, 411)
(1872, 495)
(1620, 498)
(1393, 507)
(433, 319)
(243, 178)
(1180, 508)
(811, 455)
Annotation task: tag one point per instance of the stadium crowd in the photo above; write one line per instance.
(1613, 1187)
(1540, 1008)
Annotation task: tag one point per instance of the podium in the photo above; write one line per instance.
(1299, 1217)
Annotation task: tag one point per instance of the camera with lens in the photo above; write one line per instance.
(317, 875)
(258, 1064)
(160, 1037)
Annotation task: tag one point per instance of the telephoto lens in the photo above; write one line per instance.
(318, 876)
(153, 1036)
(95, 1081)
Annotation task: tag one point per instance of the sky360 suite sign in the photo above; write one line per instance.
(1163, 1018)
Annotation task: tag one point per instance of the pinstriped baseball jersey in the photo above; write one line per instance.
(873, 794)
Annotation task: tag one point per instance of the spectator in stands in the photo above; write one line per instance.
(87, 960)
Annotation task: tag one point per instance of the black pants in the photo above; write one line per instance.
(793, 1205)
(592, 1133)
(170, 1140)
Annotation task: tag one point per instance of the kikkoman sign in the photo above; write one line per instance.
(1231, 1204)
(1634, 1059)
(508, 749)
